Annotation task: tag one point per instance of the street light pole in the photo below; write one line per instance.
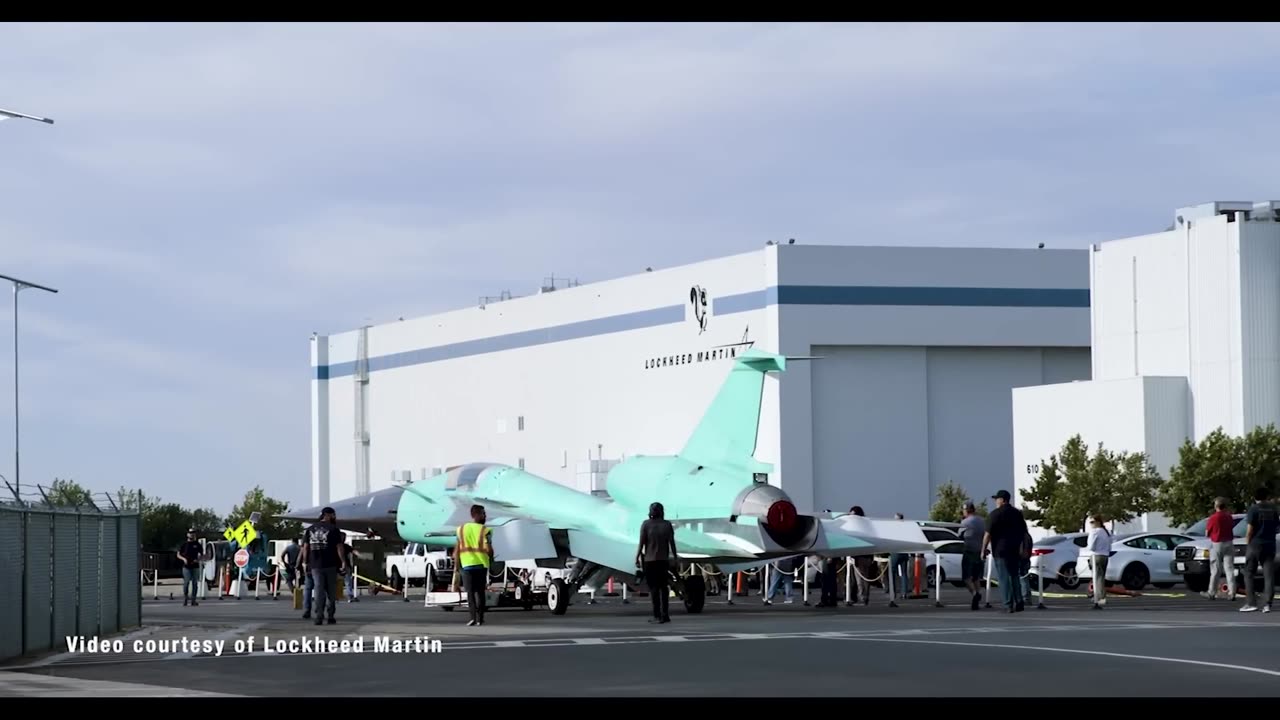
(18, 286)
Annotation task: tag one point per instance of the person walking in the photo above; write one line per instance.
(1099, 546)
(189, 554)
(324, 555)
(972, 529)
(1222, 554)
(830, 569)
(900, 566)
(1260, 539)
(473, 553)
(289, 561)
(862, 566)
(655, 555)
(782, 579)
(1006, 528)
(350, 577)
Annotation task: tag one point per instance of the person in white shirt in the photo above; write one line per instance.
(1100, 547)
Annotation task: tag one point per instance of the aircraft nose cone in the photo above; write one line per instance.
(366, 514)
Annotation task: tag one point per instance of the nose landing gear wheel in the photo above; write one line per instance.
(558, 597)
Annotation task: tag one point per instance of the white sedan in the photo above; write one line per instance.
(949, 553)
(1139, 560)
(1056, 556)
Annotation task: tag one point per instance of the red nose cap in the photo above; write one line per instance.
(781, 515)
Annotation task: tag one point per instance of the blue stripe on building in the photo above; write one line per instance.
(528, 338)
(728, 305)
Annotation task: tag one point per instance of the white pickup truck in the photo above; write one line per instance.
(416, 563)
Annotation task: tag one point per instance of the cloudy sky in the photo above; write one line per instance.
(211, 194)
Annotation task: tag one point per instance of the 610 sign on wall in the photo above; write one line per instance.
(1033, 469)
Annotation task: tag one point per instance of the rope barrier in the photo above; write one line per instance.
(884, 569)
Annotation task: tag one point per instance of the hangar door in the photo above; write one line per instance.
(891, 424)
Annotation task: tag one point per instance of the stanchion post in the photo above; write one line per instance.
(764, 584)
(1040, 582)
(889, 572)
(729, 582)
(990, 571)
(257, 581)
(805, 567)
(240, 584)
(937, 580)
(848, 582)
(155, 582)
(203, 584)
(625, 601)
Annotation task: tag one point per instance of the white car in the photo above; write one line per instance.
(1056, 558)
(950, 553)
(1139, 560)
(936, 531)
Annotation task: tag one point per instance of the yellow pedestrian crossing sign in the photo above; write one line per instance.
(242, 535)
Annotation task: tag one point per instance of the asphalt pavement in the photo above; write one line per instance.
(1165, 643)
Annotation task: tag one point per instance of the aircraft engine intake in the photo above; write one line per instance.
(778, 516)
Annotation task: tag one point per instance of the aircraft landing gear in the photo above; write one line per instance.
(560, 591)
(558, 597)
(693, 590)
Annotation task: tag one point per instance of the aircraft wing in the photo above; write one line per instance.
(517, 534)
(881, 536)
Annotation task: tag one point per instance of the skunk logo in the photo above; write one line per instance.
(698, 298)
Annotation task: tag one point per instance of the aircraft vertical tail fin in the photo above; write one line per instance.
(726, 435)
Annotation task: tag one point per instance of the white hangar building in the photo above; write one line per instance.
(920, 349)
(1185, 339)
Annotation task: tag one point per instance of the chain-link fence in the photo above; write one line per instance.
(66, 572)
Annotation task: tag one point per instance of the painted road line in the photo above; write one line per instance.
(868, 633)
(60, 657)
(1153, 658)
(222, 637)
(21, 684)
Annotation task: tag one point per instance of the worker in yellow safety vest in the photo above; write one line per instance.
(472, 557)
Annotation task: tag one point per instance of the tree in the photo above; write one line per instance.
(949, 506)
(165, 525)
(1073, 485)
(205, 521)
(269, 523)
(68, 493)
(1220, 466)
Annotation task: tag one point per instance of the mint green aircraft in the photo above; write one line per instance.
(714, 492)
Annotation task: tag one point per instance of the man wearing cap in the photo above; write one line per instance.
(189, 554)
(1006, 528)
(972, 529)
(322, 551)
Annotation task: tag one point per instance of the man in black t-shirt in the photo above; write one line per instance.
(655, 554)
(322, 551)
(189, 554)
(1263, 522)
(1006, 530)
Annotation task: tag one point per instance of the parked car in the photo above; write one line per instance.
(949, 553)
(1055, 557)
(1191, 559)
(935, 531)
(1139, 560)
